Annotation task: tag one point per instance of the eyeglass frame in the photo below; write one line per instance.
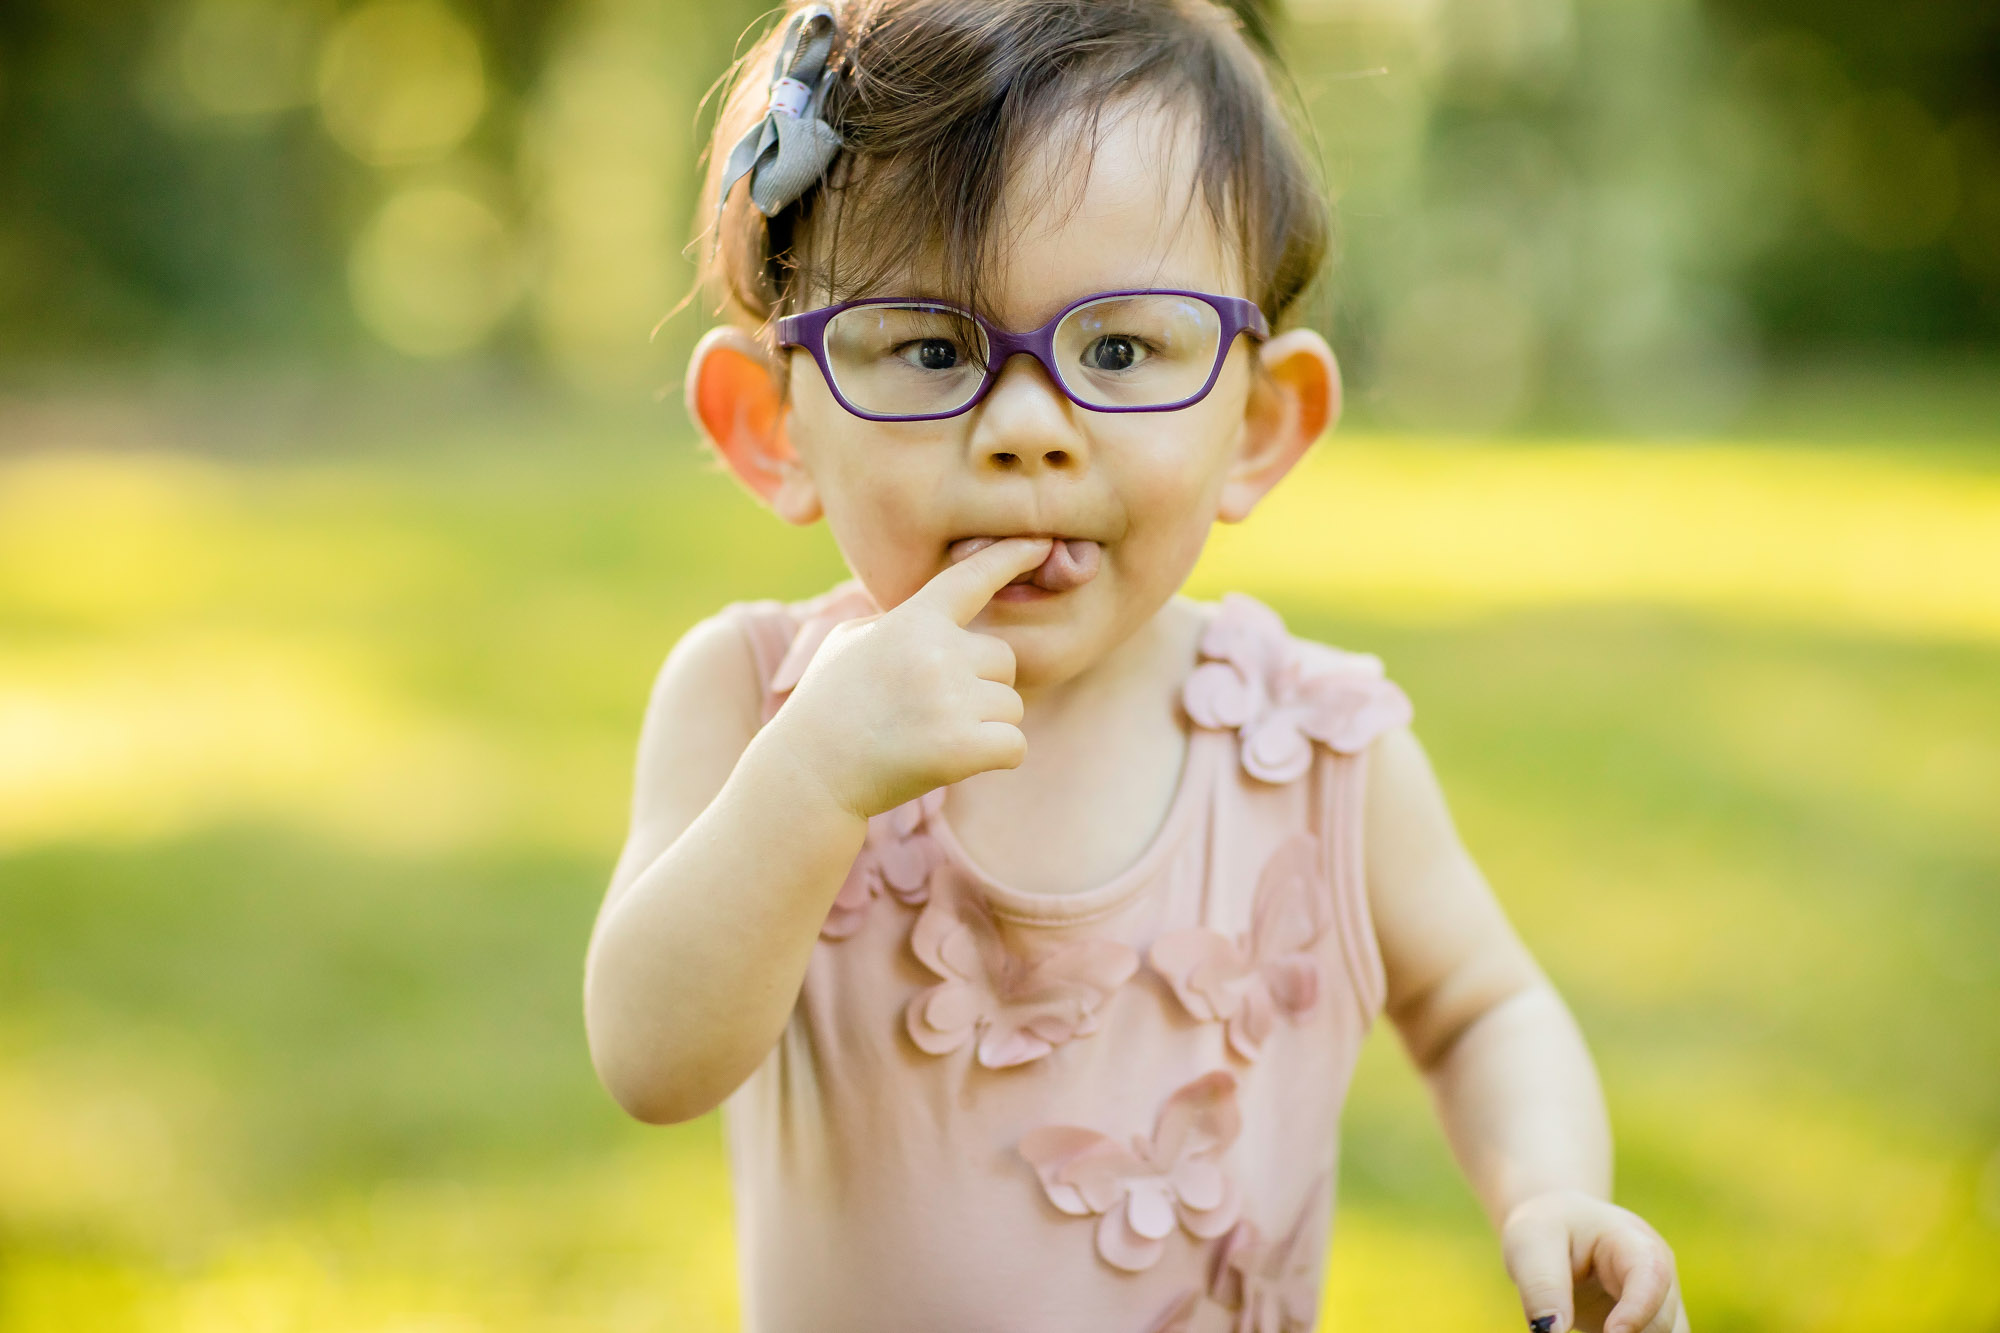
(808, 330)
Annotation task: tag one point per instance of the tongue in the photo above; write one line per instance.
(1070, 563)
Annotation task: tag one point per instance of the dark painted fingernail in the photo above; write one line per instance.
(1545, 1324)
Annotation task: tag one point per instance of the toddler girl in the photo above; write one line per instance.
(1025, 915)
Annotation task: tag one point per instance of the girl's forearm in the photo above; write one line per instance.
(694, 968)
(1521, 1105)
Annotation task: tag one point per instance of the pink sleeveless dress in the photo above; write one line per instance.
(1112, 1111)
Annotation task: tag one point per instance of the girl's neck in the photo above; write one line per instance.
(1150, 660)
(1106, 753)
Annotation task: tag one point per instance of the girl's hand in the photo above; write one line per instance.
(897, 704)
(1586, 1264)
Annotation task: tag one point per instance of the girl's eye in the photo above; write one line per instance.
(1114, 352)
(930, 353)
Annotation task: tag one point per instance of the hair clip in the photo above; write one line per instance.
(791, 147)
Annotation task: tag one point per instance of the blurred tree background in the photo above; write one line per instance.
(344, 521)
(1589, 212)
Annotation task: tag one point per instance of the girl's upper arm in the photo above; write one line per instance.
(1448, 952)
(706, 704)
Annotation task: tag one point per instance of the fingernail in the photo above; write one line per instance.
(1543, 1324)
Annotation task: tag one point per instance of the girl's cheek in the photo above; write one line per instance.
(895, 536)
(1171, 499)
(1169, 522)
(1173, 486)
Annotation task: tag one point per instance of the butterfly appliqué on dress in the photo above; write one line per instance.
(1257, 1285)
(1247, 982)
(1142, 1190)
(1019, 1008)
(897, 857)
(1280, 694)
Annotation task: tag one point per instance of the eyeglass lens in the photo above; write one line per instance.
(1120, 351)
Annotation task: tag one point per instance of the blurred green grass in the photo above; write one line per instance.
(311, 773)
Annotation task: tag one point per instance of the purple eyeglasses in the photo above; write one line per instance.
(908, 359)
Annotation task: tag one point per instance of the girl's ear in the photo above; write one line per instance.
(734, 395)
(1294, 401)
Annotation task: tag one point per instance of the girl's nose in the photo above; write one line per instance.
(1025, 423)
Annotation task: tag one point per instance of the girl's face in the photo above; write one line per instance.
(1144, 487)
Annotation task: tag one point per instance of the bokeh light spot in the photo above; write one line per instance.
(401, 81)
(607, 206)
(433, 271)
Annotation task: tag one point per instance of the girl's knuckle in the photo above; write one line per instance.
(1656, 1265)
(934, 660)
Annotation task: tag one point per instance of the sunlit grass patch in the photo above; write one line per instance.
(1393, 1271)
(102, 1147)
(638, 1241)
(180, 732)
(176, 732)
(249, 1082)
(1798, 1205)
(1867, 543)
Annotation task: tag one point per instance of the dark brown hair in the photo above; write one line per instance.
(936, 100)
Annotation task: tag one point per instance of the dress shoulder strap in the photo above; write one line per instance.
(768, 627)
(783, 636)
(1339, 808)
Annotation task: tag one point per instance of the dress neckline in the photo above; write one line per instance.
(1106, 897)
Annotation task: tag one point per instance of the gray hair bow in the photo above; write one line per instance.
(789, 149)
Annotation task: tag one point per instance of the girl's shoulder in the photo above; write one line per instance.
(715, 689)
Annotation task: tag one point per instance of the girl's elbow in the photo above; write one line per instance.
(653, 1091)
(662, 1072)
(640, 1068)
(655, 1078)
(662, 1106)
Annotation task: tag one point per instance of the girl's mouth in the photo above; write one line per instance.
(1071, 562)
